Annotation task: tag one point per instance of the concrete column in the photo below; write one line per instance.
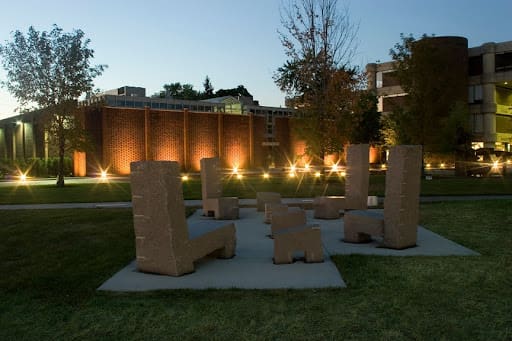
(371, 73)
(488, 95)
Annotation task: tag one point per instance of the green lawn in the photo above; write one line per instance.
(52, 262)
(246, 188)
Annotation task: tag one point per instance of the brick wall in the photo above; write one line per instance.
(202, 138)
(167, 136)
(122, 138)
(236, 138)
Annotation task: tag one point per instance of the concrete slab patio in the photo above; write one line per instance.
(252, 267)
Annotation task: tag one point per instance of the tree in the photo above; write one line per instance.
(51, 70)
(366, 120)
(179, 91)
(208, 88)
(235, 92)
(319, 41)
(431, 114)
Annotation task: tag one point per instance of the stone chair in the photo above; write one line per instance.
(291, 233)
(214, 204)
(273, 208)
(356, 186)
(263, 198)
(165, 244)
(398, 224)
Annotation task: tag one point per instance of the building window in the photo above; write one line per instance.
(503, 61)
(389, 79)
(475, 66)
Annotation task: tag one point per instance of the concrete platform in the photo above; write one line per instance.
(252, 267)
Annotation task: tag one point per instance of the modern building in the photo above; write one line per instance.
(486, 76)
(124, 125)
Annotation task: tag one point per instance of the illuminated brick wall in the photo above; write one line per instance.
(119, 138)
(123, 138)
(202, 137)
(260, 152)
(282, 133)
(235, 147)
(166, 136)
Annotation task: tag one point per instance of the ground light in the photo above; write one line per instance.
(266, 175)
(103, 175)
(184, 177)
(239, 176)
(318, 174)
(495, 165)
(23, 177)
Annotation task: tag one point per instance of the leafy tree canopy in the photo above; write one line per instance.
(319, 41)
(51, 70)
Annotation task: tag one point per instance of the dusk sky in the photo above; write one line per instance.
(153, 42)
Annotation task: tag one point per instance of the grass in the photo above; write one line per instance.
(246, 188)
(52, 262)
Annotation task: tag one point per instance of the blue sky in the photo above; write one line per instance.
(153, 42)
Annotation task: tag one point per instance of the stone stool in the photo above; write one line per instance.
(328, 207)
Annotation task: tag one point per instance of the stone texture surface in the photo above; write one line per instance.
(273, 208)
(211, 190)
(291, 233)
(328, 207)
(357, 177)
(398, 224)
(263, 198)
(303, 238)
(164, 243)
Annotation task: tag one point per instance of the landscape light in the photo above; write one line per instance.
(428, 165)
(266, 175)
(103, 175)
(442, 165)
(184, 178)
(318, 174)
(239, 176)
(343, 173)
(291, 175)
(334, 167)
(306, 167)
(292, 168)
(383, 166)
(235, 170)
(495, 165)
(23, 177)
